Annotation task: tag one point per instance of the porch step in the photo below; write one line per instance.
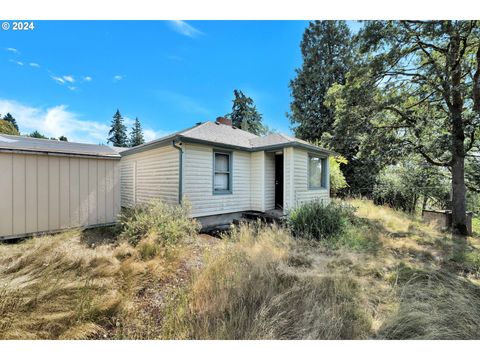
(268, 217)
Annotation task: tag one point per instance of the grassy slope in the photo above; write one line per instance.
(393, 277)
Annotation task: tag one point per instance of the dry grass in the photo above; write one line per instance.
(390, 277)
(252, 288)
(63, 287)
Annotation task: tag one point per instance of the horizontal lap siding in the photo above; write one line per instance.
(257, 181)
(301, 192)
(152, 174)
(269, 181)
(48, 193)
(198, 182)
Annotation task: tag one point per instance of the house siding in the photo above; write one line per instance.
(269, 183)
(257, 175)
(198, 182)
(42, 193)
(152, 174)
(301, 192)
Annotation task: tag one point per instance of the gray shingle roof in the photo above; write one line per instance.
(220, 133)
(29, 144)
(216, 133)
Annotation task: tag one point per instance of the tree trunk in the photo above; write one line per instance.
(459, 203)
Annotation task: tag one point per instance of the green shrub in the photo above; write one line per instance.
(168, 223)
(319, 222)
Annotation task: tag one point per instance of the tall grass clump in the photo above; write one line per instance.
(319, 222)
(168, 223)
(248, 290)
(435, 305)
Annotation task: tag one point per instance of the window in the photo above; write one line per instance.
(316, 172)
(222, 173)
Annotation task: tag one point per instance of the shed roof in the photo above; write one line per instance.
(29, 144)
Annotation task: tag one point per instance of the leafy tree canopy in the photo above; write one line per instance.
(7, 127)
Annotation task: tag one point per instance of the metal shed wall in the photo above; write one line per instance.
(45, 193)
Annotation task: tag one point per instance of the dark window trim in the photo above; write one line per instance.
(323, 181)
(230, 172)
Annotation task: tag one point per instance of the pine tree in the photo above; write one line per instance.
(136, 136)
(326, 56)
(245, 115)
(37, 135)
(8, 117)
(63, 138)
(118, 131)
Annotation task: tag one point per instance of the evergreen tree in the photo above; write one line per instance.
(63, 138)
(326, 56)
(118, 131)
(245, 115)
(136, 136)
(37, 135)
(8, 117)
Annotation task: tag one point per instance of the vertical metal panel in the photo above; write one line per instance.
(84, 193)
(110, 193)
(74, 192)
(102, 193)
(54, 193)
(6, 186)
(43, 193)
(64, 186)
(31, 193)
(48, 193)
(19, 194)
(92, 191)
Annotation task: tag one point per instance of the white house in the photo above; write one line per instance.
(223, 171)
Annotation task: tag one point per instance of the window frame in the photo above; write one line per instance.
(229, 173)
(323, 162)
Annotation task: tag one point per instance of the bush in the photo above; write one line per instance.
(319, 222)
(168, 223)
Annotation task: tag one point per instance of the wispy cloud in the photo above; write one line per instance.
(13, 50)
(73, 88)
(58, 79)
(182, 27)
(87, 78)
(118, 77)
(69, 78)
(19, 63)
(33, 64)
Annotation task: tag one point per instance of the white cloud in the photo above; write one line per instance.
(58, 120)
(150, 134)
(58, 79)
(73, 88)
(17, 62)
(118, 77)
(13, 50)
(55, 121)
(69, 78)
(182, 27)
(35, 65)
(87, 78)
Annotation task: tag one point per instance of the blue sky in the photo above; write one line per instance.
(69, 77)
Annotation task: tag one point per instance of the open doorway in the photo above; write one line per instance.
(279, 181)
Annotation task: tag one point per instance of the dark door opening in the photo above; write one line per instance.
(279, 181)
